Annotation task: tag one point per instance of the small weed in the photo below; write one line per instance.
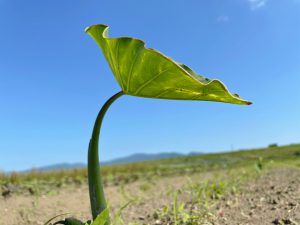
(259, 165)
(145, 186)
(128, 197)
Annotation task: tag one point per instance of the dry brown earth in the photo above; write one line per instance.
(273, 198)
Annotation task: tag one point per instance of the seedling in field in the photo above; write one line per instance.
(142, 72)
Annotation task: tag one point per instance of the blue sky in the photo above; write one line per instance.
(54, 79)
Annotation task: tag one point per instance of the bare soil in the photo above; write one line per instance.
(272, 198)
(25, 209)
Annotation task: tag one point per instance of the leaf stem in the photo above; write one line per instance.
(97, 197)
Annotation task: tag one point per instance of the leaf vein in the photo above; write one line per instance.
(132, 66)
(149, 81)
(118, 66)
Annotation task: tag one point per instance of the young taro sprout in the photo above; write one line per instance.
(143, 72)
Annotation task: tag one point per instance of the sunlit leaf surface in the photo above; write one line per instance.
(145, 72)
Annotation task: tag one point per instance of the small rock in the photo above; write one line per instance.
(291, 204)
(155, 215)
(31, 191)
(6, 193)
(284, 222)
(141, 218)
(158, 222)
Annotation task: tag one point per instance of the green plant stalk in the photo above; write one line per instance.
(97, 197)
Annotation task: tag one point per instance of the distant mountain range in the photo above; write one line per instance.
(139, 157)
(60, 166)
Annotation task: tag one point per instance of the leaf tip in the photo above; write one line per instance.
(103, 26)
(86, 30)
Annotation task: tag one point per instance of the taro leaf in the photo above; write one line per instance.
(145, 72)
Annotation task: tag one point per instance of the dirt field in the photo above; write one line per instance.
(271, 198)
(149, 195)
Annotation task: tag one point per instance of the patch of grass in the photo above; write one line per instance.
(194, 202)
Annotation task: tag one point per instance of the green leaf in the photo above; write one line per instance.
(102, 218)
(145, 72)
(73, 221)
(118, 217)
